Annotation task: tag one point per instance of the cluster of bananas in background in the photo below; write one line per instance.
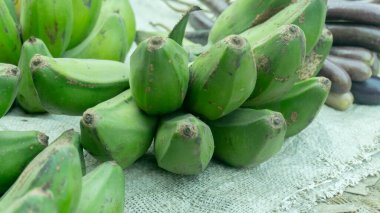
(236, 98)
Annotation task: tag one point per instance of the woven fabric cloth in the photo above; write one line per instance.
(338, 149)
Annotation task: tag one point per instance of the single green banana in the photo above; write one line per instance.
(50, 21)
(222, 79)
(57, 168)
(248, 137)
(112, 36)
(21, 147)
(108, 42)
(70, 86)
(302, 103)
(12, 9)
(36, 201)
(27, 95)
(10, 42)
(125, 10)
(279, 56)
(117, 130)
(309, 15)
(315, 59)
(85, 13)
(103, 190)
(244, 14)
(156, 61)
(183, 144)
(9, 81)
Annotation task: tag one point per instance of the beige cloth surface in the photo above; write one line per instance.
(338, 149)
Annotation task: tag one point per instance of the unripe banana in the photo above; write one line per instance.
(248, 137)
(9, 81)
(17, 149)
(50, 21)
(302, 103)
(156, 61)
(244, 14)
(12, 9)
(315, 59)
(112, 36)
(70, 86)
(125, 10)
(103, 190)
(309, 15)
(27, 95)
(36, 201)
(279, 56)
(57, 168)
(85, 13)
(10, 42)
(117, 130)
(108, 42)
(183, 144)
(222, 79)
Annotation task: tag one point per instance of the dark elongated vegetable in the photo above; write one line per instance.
(200, 21)
(216, 6)
(341, 81)
(358, 53)
(359, 12)
(367, 92)
(375, 64)
(357, 70)
(199, 37)
(356, 35)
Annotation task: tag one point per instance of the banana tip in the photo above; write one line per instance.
(13, 71)
(277, 121)
(236, 41)
(88, 118)
(155, 43)
(43, 139)
(37, 62)
(188, 130)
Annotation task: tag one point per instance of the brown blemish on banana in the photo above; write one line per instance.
(89, 119)
(290, 34)
(32, 40)
(325, 83)
(155, 43)
(12, 71)
(38, 63)
(263, 63)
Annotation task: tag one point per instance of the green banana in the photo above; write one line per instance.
(302, 103)
(103, 190)
(244, 14)
(314, 60)
(70, 86)
(57, 168)
(10, 42)
(27, 95)
(50, 21)
(156, 61)
(183, 144)
(309, 15)
(117, 130)
(222, 79)
(112, 36)
(106, 42)
(21, 147)
(248, 137)
(9, 81)
(12, 9)
(125, 10)
(36, 201)
(85, 13)
(279, 56)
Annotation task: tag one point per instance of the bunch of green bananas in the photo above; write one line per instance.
(49, 179)
(83, 29)
(238, 99)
